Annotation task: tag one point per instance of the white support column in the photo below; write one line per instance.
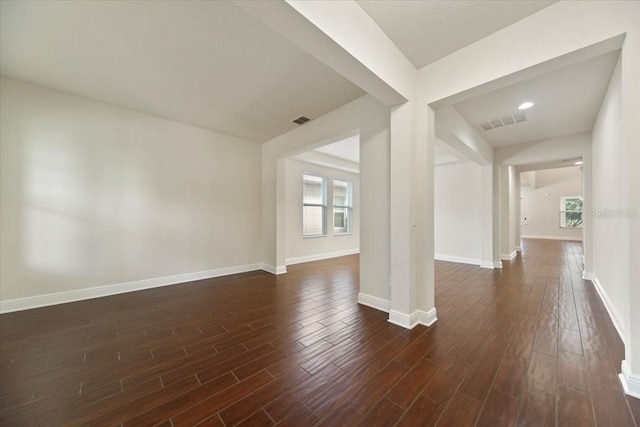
(412, 286)
(374, 211)
(486, 177)
(273, 212)
(490, 177)
(513, 217)
(281, 194)
(497, 263)
(518, 214)
(425, 237)
(505, 235)
(402, 118)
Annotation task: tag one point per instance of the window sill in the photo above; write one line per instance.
(314, 237)
(342, 234)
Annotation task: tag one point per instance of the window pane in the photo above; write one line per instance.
(313, 220)
(313, 190)
(571, 212)
(573, 205)
(341, 206)
(573, 219)
(339, 218)
(341, 192)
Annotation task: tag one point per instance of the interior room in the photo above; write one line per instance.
(542, 215)
(328, 179)
(391, 213)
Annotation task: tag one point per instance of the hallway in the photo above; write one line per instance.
(562, 352)
(530, 344)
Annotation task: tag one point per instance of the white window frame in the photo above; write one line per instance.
(346, 207)
(323, 205)
(564, 211)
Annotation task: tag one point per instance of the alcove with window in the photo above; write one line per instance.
(322, 202)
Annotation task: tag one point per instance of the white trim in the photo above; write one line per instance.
(400, 319)
(573, 239)
(509, 257)
(418, 317)
(120, 288)
(458, 259)
(630, 382)
(426, 318)
(328, 164)
(587, 275)
(491, 264)
(613, 313)
(518, 248)
(282, 269)
(318, 257)
(374, 302)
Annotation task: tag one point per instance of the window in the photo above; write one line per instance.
(342, 205)
(571, 212)
(314, 205)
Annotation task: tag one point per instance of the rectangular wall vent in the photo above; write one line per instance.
(503, 121)
(301, 120)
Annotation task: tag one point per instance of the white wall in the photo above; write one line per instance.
(96, 195)
(610, 233)
(541, 204)
(299, 249)
(458, 216)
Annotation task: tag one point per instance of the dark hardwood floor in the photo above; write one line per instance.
(530, 344)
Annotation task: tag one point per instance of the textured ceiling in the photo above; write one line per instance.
(426, 31)
(566, 101)
(208, 64)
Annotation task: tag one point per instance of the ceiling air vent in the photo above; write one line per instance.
(508, 120)
(496, 123)
(520, 117)
(503, 121)
(301, 120)
(485, 126)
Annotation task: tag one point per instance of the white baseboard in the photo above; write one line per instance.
(318, 257)
(282, 269)
(459, 259)
(613, 313)
(491, 264)
(509, 257)
(409, 321)
(518, 248)
(573, 239)
(374, 302)
(426, 318)
(630, 382)
(107, 290)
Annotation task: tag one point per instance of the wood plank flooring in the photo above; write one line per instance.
(530, 344)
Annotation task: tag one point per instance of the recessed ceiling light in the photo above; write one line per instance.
(579, 162)
(525, 105)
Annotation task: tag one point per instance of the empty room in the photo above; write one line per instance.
(323, 213)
